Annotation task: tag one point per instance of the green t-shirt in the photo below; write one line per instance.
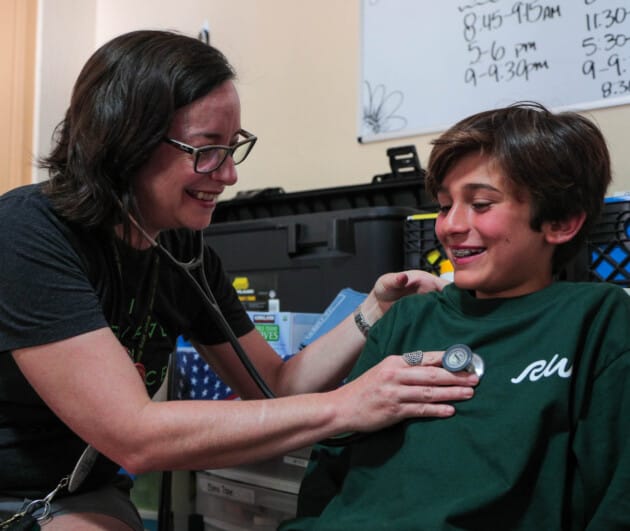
(543, 445)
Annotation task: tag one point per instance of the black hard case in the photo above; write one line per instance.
(308, 258)
(307, 246)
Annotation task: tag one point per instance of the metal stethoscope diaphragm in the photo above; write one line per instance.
(460, 357)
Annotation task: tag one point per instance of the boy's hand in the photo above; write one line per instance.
(392, 286)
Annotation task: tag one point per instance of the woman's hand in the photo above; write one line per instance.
(393, 391)
(392, 286)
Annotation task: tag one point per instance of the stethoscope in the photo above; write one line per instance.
(456, 358)
(88, 457)
(203, 290)
(460, 357)
(205, 293)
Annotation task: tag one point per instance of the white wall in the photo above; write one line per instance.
(297, 62)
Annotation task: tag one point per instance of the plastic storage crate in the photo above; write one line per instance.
(251, 497)
(231, 505)
(608, 244)
(422, 248)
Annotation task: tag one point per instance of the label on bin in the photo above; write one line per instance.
(295, 461)
(227, 490)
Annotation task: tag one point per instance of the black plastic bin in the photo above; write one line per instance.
(307, 259)
(384, 191)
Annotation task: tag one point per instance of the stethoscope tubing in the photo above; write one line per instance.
(204, 291)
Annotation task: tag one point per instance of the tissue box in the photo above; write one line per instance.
(284, 331)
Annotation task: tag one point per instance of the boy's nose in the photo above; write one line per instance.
(456, 220)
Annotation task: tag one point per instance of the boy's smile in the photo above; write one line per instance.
(484, 226)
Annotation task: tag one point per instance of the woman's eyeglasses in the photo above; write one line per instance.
(208, 158)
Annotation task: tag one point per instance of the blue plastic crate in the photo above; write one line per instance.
(609, 243)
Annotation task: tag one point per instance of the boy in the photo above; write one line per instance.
(544, 443)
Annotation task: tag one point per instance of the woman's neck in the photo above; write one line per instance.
(136, 239)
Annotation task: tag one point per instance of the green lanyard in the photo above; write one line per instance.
(155, 269)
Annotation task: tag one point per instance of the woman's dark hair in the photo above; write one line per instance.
(121, 108)
(560, 159)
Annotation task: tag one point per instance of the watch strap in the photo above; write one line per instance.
(361, 322)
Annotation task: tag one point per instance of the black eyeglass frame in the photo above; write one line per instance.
(227, 150)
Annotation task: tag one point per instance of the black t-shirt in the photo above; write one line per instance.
(57, 281)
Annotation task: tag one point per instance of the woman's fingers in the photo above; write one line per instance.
(393, 391)
(430, 383)
(429, 357)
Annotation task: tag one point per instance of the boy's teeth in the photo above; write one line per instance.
(461, 253)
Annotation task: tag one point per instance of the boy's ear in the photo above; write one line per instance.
(558, 232)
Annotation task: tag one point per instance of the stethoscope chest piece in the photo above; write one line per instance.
(461, 358)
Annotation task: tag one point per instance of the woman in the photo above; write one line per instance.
(149, 142)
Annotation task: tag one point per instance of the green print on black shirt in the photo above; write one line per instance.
(138, 338)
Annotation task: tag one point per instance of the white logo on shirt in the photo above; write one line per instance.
(542, 368)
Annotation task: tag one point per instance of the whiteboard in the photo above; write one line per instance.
(425, 64)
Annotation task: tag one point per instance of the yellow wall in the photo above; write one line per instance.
(17, 70)
(298, 67)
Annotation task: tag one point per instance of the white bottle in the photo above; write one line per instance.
(273, 304)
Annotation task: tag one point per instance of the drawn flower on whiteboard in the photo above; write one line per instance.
(379, 112)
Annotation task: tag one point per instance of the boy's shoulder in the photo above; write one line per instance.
(559, 293)
(601, 301)
(592, 289)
